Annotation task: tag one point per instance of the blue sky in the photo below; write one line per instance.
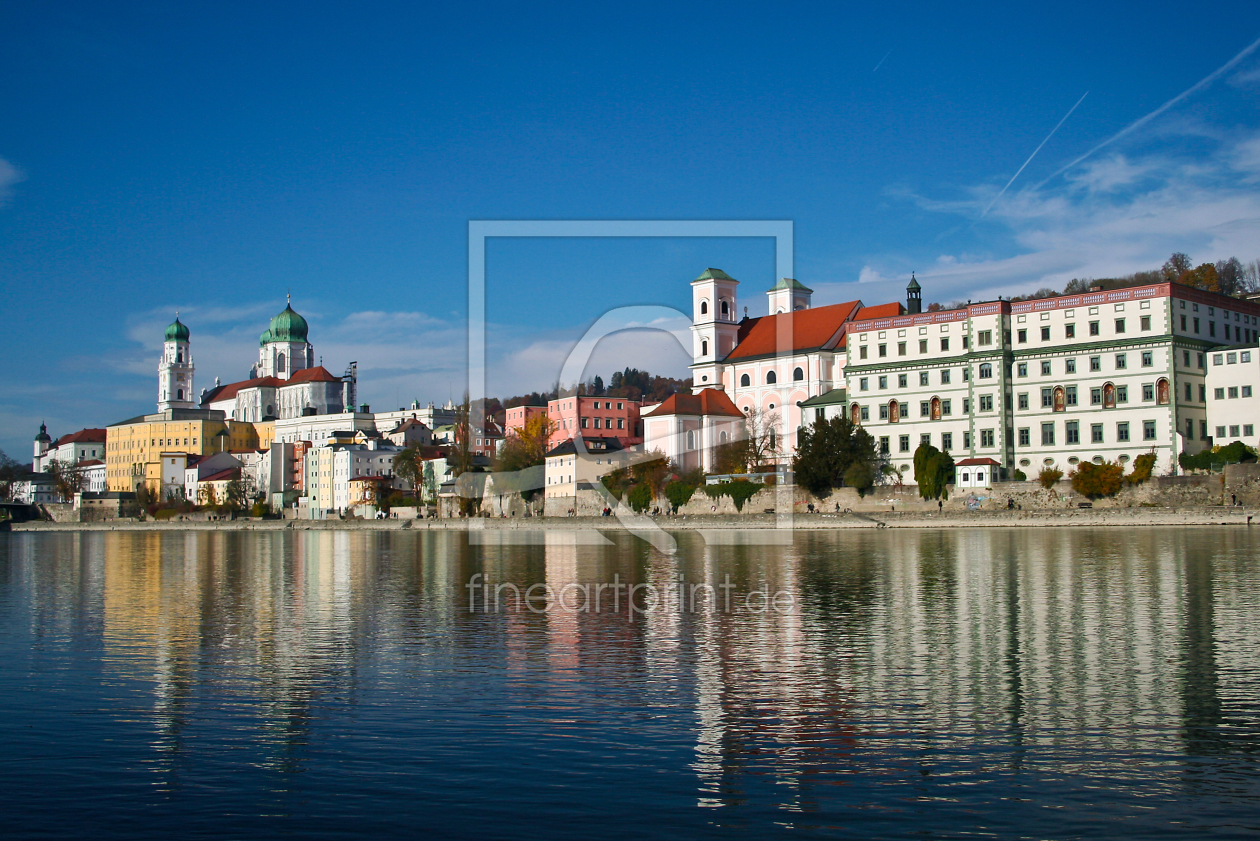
(209, 158)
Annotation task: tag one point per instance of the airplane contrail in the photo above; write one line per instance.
(1033, 155)
(885, 58)
(1138, 123)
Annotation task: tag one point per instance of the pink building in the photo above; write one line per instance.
(688, 428)
(518, 416)
(596, 417)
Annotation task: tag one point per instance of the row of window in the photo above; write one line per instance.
(1072, 433)
(798, 374)
(1247, 430)
(1232, 391)
(1231, 358)
(1240, 334)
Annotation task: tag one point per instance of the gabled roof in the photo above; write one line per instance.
(83, 436)
(812, 328)
(408, 425)
(223, 475)
(229, 391)
(318, 374)
(709, 401)
(977, 462)
(90, 463)
(596, 445)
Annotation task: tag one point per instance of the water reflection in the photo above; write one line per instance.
(916, 676)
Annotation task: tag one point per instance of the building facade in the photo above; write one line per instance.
(595, 417)
(1233, 394)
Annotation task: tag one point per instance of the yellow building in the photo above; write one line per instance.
(134, 446)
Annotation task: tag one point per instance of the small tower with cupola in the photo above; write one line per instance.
(714, 329)
(788, 295)
(914, 297)
(42, 442)
(175, 371)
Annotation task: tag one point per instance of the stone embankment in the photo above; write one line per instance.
(1139, 517)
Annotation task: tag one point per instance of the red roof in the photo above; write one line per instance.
(92, 463)
(710, 401)
(228, 392)
(880, 311)
(222, 475)
(318, 374)
(83, 436)
(813, 328)
(977, 462)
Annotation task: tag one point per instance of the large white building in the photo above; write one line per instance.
(1105, 375)
(1233, 393)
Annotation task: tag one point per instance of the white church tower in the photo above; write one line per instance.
(175, 371)
(789, 295)
(713, 326)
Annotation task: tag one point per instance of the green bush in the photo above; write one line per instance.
(1097, 480)
(740, 491)
(1048, 477)
(679, 493)
(640, 497)
(1019, 476)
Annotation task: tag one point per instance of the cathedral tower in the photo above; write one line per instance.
(175, 371)
(789, 295)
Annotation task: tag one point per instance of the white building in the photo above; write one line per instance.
(175, 370)
(320, 428)
(567, 470)
(330, 468)
(1233, 389)
(84, 445)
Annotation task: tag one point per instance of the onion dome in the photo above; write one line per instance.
(288, 326)
(177, 332)
(43, 434)
(264, 338)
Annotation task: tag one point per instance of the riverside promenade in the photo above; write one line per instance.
(1093, 518)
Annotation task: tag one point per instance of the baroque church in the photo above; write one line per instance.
(284, 383)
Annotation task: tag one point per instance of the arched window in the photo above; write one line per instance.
(179, 357)
(179, 394)
(280, 364)
(726, 309)
(722, 437)
(704, 307)
(894, 411)
(1109, 396)
(771, 379)
(1059, 404)
(855, 414)
(1161, 392)
(936, 408)
(704, 348)
(798, 374)
(744, 381)
(986, 371)
(691, 439)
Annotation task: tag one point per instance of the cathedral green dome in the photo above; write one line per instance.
(177, 332)
(288, 326)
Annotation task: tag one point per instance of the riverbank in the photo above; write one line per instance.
(1134, 517)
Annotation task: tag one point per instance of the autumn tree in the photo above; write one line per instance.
(68, 479)
(409, 465)
(526, 446)
(1097, 480)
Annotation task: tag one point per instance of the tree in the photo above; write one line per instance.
(1049, 477)
(206, 495)
(732, 457)
(933, 471)
(679, 494)
(761, 431)
(409, 465)
(1142, 467)
(68, 479)
(234, 495)
(825, 452)
(1076, 286)
(526, 446)
(463, 456)
(1202, 277)
(1177, 266)
(1097, 480)
(10, 473)
(1231, 277)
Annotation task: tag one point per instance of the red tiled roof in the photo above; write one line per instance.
(318, 374)
(229, 391)
(91, 463)
(976, 462)
(710, 401)
(813, 328)
(880, 311)
(83, 436)
(230, 473)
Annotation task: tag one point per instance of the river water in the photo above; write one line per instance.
(1055, 683)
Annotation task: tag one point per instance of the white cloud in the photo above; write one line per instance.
(9, 175)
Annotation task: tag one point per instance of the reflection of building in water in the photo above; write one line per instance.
(1041, 646)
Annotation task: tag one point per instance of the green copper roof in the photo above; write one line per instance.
(714, 274)
(177, 332)
(789, 283)
(831, 398)
(288, 326)
(913, 285)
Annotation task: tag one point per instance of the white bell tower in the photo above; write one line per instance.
(175, 371)
(789, 295)
(713, 326)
